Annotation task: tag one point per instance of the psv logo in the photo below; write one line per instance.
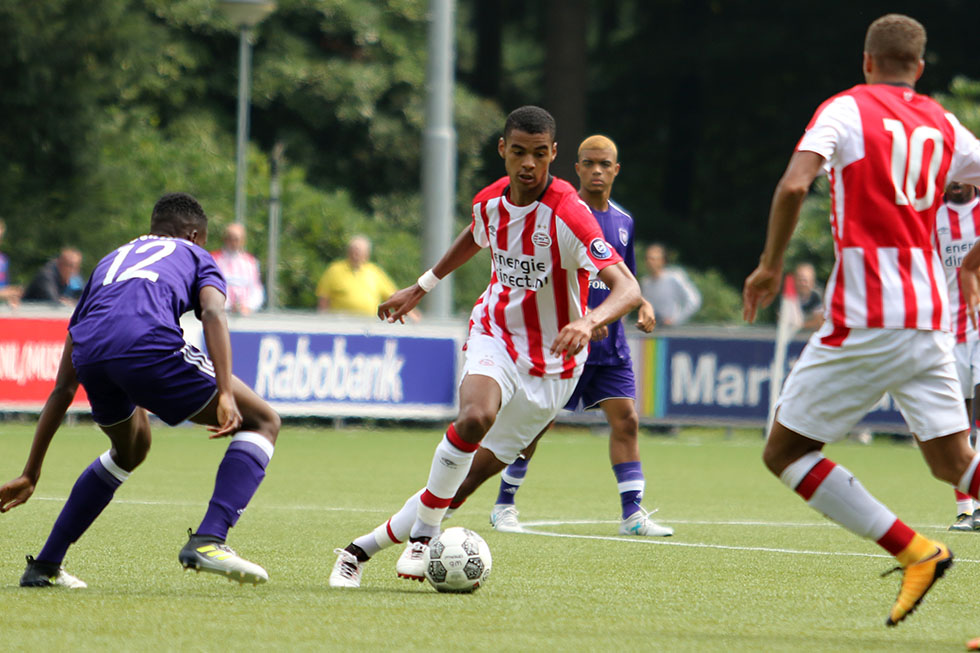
(541, 239)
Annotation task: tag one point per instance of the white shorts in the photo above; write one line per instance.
(527, 403)
(967, 356)
(831, 388)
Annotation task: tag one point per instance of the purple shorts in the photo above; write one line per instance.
(601, 382)
(174, 386)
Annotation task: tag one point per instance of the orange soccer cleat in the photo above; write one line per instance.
(917, 579)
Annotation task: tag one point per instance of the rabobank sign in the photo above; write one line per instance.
(353, 369)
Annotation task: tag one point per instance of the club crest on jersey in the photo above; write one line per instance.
(624, 237)
(541, 239)
(600, 249)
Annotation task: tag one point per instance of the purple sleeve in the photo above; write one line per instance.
(630, 254)
(208, 274)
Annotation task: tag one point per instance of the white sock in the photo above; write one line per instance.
(833, 491)
(450, 464)
(393, 531)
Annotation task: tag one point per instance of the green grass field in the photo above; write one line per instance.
(750, 568)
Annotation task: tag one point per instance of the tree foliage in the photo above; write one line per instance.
(106, 105)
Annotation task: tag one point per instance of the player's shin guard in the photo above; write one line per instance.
(970, 481)
(510, 481)
(450, 464)
(239, 475)
(832, 490)
(630, 483)
(394, 531)
(92, 492)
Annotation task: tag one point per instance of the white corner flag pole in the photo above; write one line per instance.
(789, 322)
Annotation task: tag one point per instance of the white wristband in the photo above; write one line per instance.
(428, 280)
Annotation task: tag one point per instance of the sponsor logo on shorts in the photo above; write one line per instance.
(599, 249)
(541, 239)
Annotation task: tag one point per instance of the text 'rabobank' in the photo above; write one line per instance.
(334, 374)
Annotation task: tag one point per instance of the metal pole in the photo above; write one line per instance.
(275, 210)
(244, 75)
(439, 151)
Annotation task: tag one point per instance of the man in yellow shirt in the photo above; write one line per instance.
(354, 285)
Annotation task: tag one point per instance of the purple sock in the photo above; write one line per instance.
(91, 494)
(510, 481)
(630, 482)
(239, 475)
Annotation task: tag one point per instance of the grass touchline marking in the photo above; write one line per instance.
(662, 541)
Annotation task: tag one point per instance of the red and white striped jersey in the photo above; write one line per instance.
(543, 255)
(889, 153)
(241, 271)
(957, 229)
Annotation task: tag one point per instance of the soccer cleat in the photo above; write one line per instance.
(639, 523)
(503, 518)
(48, 574)
(964, 522)
(917, 579)
(976, 519)
(347, 570)
(973, 644)
(411, 563)
(207, 553)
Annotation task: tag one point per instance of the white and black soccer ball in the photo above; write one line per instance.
(457, 561)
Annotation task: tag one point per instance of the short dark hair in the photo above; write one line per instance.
(896, 43)
(175, 211)
(531, 120)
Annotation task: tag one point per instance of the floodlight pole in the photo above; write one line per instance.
(244, 14)
(439, 151)
(241, 142)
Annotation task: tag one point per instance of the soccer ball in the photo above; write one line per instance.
(457, 561)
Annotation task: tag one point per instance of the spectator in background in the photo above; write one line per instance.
(241, 271)
(674, 298)
(354, 285)
(8, 293)
(59, 280)
(811, 303)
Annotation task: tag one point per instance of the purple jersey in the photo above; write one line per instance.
(617, 229)
(133, 301)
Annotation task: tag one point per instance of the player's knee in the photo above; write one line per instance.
(265, 421)
(130, 455)
(625, 427)
(473, 423)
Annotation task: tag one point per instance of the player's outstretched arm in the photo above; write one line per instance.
(20, 489)
(762, 286)
(624, 296)
(215, 325)
(396, 307)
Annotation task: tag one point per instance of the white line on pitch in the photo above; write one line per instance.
(702, 545)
